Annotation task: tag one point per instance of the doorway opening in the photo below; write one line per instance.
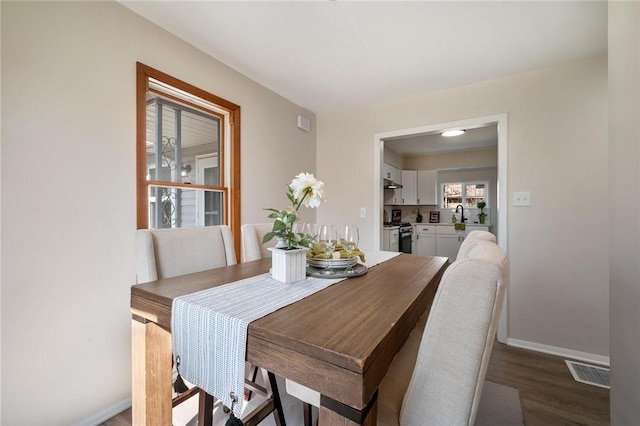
(500, 121)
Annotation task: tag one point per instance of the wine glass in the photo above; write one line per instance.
(328, 238)
(298, 228)
(312, 229)
(349, 239)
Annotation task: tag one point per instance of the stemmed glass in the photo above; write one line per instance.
(328, 238)
(349, 239)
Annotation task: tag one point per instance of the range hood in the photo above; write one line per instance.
(389, 184)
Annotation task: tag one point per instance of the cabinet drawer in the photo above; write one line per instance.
(425, 229)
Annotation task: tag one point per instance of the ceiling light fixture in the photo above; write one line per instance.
(450, 133)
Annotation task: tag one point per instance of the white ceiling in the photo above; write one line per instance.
(326, 55)
(475, 138)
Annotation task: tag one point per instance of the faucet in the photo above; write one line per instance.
(462, 218)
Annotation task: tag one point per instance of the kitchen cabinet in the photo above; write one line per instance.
(392, 196)
(448, 245)
(448, 240)
(390, 239)
(425, 240)
(391, 173)
(409, 187)
(426, 187)
(419, 187)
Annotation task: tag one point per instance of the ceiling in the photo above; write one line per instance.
(328, 55)
(476, 138)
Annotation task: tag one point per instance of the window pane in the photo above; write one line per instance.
(179, 207)
(474, 194)
(176, 134)
(452, 193)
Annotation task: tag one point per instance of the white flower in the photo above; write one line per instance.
(307, 188)
(304, 189)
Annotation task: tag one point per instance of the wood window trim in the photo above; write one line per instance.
(143, 73)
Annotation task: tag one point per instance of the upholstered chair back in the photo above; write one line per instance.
(166, 253)
(456, 344)
(252, 247)
(480, 235)
(471, 239)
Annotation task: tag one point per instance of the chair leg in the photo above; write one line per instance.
(253, 373)
(205, 409)
(272, 388)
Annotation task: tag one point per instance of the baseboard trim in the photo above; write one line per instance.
(563, 352)
(105, 414)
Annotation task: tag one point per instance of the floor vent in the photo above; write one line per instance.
(589, 374)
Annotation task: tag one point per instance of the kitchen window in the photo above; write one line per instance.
(466, 193)
(188, 155)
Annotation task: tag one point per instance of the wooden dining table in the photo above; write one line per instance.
(339, 341)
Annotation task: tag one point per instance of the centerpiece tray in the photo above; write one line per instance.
(316, 272)
(333, 263)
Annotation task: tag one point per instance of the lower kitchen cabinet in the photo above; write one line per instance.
(425, 240)
(390, 239)
(448, 245)
(448, 240)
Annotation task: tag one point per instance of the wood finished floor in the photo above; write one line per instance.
(548, 393)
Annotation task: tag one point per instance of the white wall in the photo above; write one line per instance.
(557, 149)
(68, 194)
(624, 157)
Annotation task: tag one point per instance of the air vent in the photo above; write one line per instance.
(589, 374)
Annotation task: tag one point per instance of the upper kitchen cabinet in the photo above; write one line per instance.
(391, 173)
(419, 187)
(409, 187)
(427, 187)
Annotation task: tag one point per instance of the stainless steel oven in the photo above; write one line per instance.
(405, 237)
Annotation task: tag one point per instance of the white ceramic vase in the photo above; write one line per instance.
(289, 265)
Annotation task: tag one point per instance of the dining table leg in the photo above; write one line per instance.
(151, 373)
(328, 417)
(334, 413)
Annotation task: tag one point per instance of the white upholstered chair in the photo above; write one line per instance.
(448, 356)
(166, 253)
(252, 247)
(471, 239)
(480, 235)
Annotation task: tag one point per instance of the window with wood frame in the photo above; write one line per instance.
(188, 155)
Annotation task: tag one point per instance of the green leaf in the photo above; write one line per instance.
(267, 237)
(279, 226)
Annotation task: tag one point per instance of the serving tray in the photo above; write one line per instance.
(359, 269)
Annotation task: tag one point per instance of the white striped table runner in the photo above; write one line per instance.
(209, 329)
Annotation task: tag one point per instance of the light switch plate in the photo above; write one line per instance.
(522, 199)
(363, 212)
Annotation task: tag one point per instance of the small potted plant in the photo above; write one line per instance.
(482, 215)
